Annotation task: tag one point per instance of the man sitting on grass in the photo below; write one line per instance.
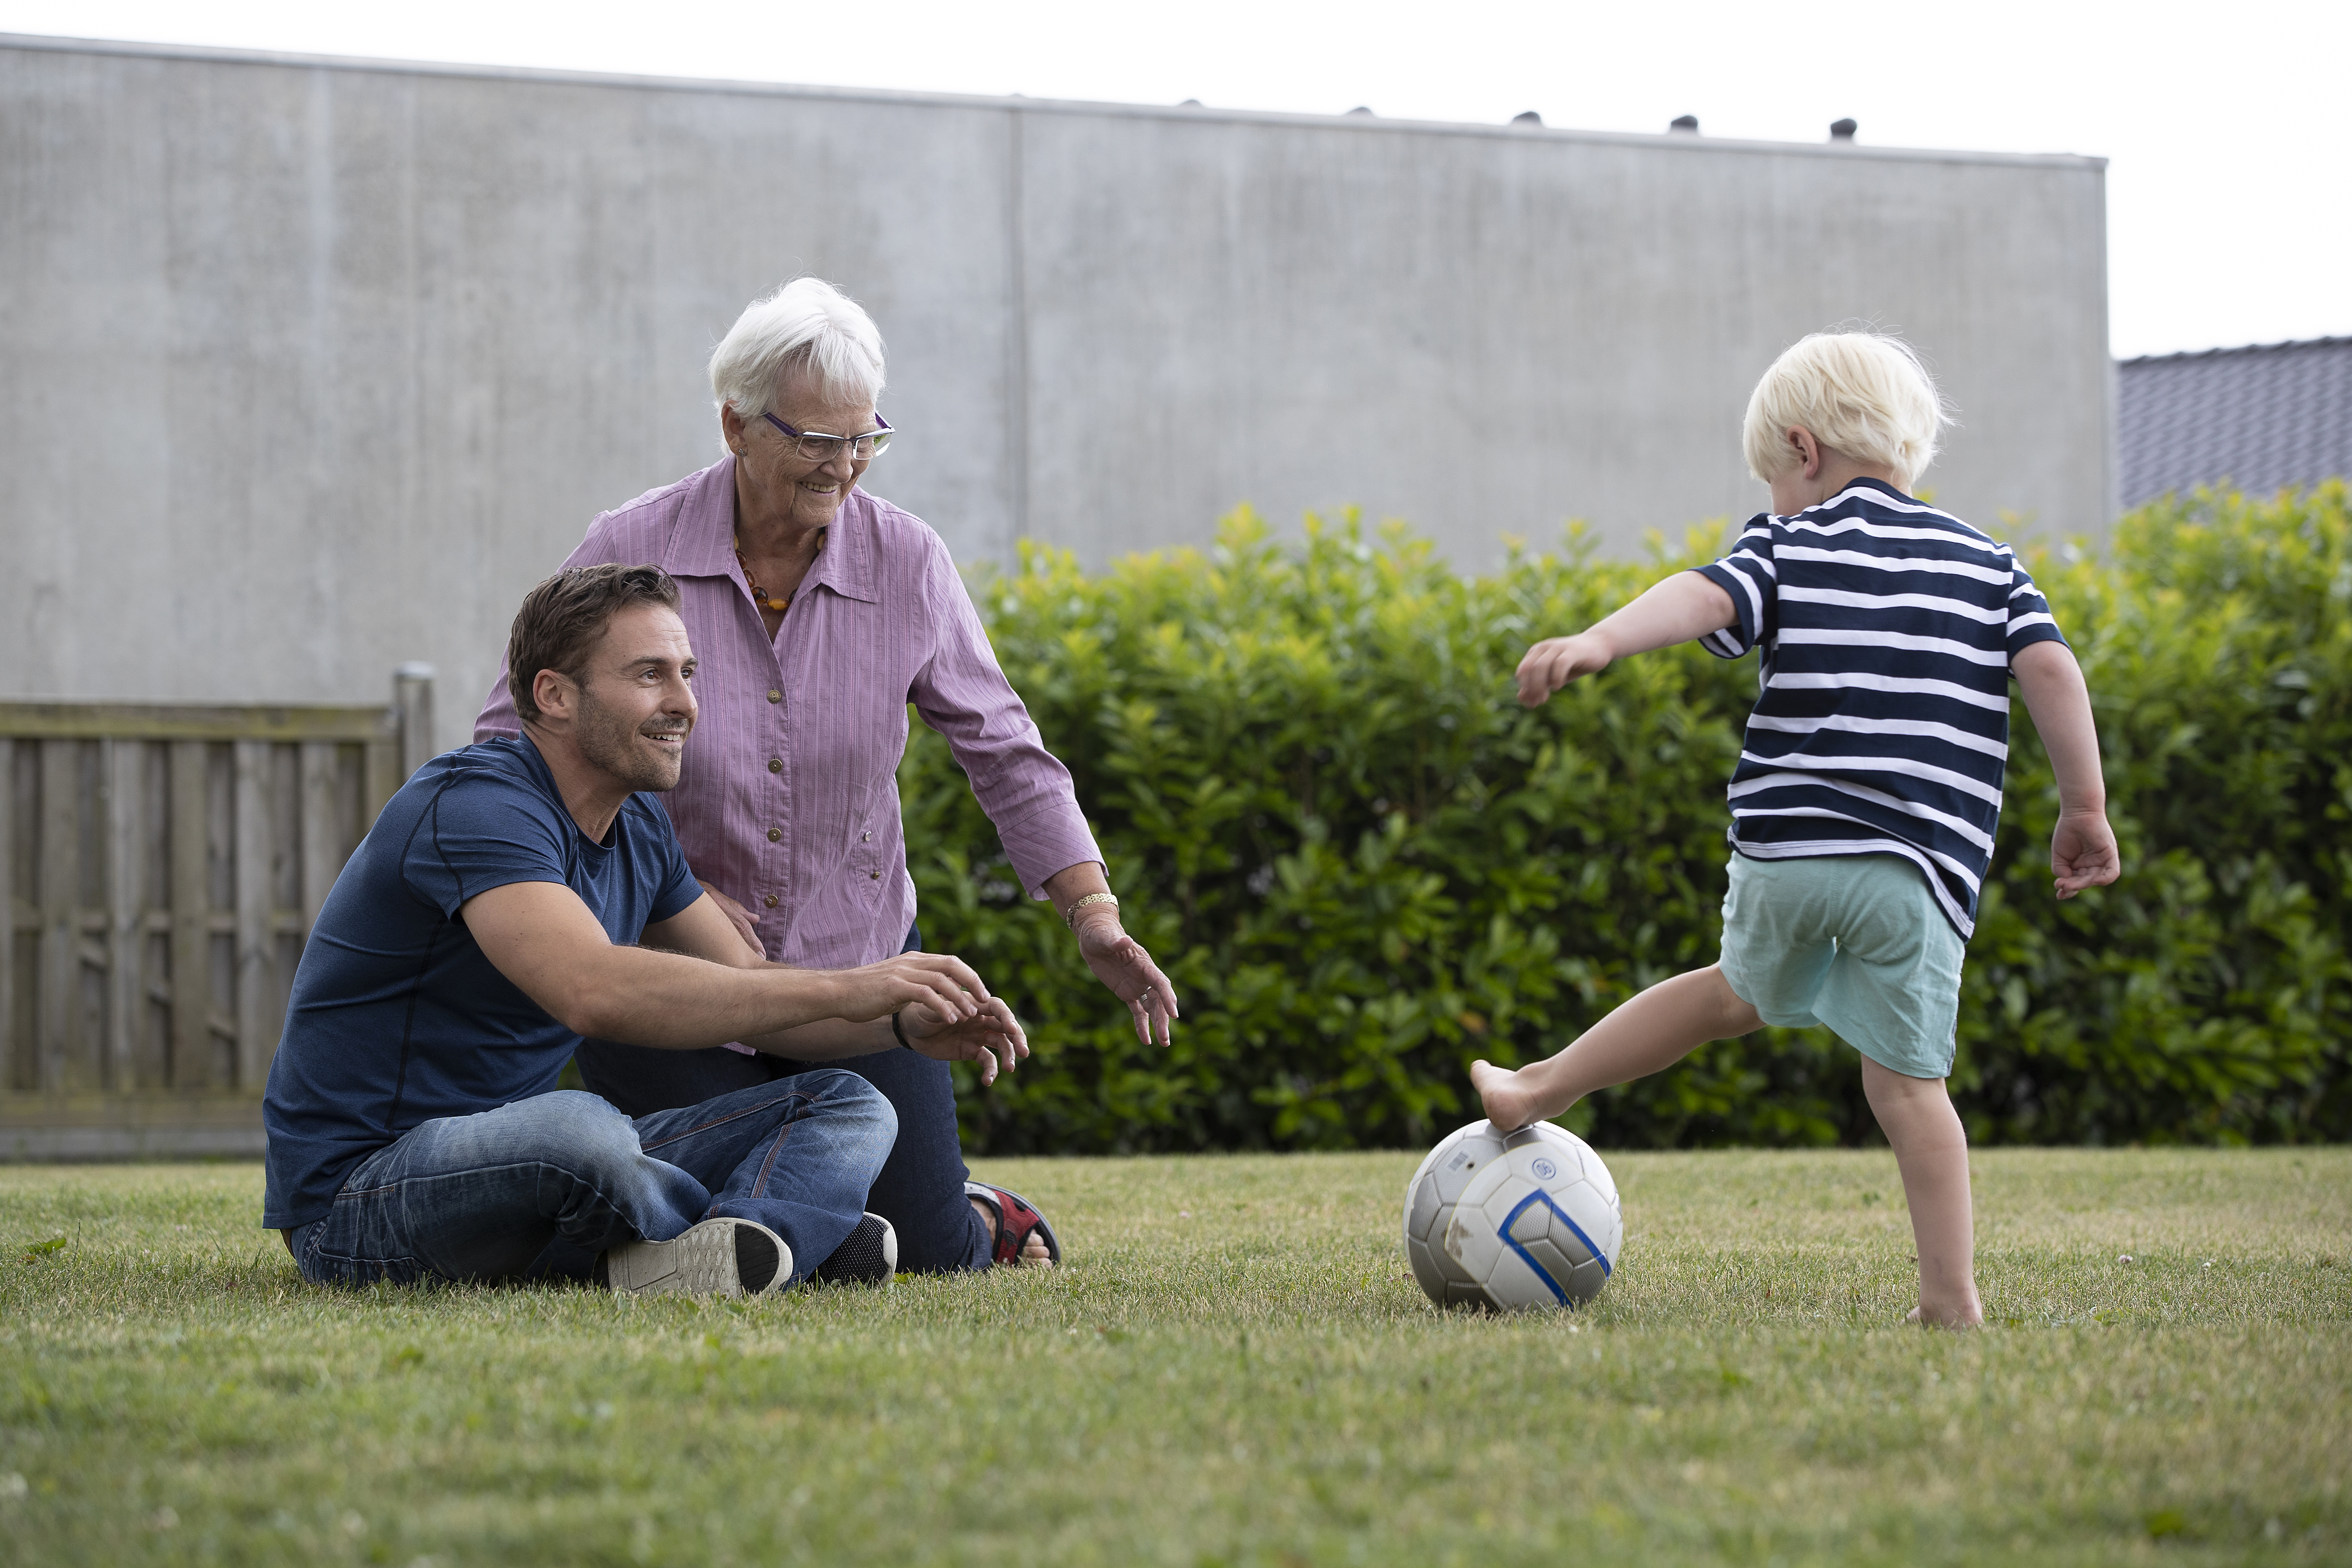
(491, 918)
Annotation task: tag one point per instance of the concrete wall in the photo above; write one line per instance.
(311, 367)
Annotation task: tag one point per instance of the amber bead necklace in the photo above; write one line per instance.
(759, 595)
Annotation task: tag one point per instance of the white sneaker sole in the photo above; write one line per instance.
(701, 1262)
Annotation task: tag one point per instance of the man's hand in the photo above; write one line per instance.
(1554, 662)
(989, 1035)
(1119, 961)
(742, 918)
(939, 982)
(2082, 852)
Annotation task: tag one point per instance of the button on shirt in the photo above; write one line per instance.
(787, 798)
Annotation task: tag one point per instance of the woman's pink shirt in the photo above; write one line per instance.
(787, 799)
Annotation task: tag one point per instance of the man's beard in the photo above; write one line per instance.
(608, 742)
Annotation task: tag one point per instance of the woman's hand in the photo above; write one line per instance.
(1119, 961)
(991, 1035)
(742, 918)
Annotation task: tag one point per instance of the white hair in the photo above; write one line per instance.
(808, 328)
(1865, 393)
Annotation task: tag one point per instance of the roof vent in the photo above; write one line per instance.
(1686, 123)
(1842, 130)
(1526, 117)
(1362, 108)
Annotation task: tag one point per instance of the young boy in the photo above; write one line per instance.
(1869, 782)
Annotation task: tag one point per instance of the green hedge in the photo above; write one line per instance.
(1363, 863)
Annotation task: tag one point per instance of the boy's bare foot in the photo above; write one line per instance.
(1970, 1316)
(1508, 1104)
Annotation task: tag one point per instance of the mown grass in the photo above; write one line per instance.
(1233, 1368)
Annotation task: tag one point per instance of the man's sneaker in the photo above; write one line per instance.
(716, 1258)
(869, 1257)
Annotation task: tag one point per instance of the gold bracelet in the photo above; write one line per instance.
(1070, 915)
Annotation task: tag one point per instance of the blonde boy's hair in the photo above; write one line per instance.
(1865, 393)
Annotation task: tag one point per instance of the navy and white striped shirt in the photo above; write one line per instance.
(1882, 727)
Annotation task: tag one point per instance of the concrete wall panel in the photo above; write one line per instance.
(312, 367)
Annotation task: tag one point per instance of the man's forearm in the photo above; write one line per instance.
(636, 997)
(2060, 703)
(826, 1040)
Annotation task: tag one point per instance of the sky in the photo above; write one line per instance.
(2226, 128)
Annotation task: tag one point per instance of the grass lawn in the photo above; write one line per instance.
(1235, 1368)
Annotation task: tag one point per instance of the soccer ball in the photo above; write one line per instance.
(1512, 1222)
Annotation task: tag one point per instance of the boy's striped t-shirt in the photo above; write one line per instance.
(1882, 728)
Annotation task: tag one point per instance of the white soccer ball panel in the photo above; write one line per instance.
(1472, 1241)
(1426, 1271)
(1459, 1294)
(1591, 1208)
(1572, 1239)
(1454, 1164)
(1549, 1256)
(1525, 1222)
(1421, 1210)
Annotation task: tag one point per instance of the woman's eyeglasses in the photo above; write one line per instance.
(817, 447)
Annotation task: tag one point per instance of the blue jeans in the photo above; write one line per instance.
(538, 1188)
(920, 1189)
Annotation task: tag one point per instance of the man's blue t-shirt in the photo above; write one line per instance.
(397, 1018)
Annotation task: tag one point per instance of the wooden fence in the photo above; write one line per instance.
(163, 866)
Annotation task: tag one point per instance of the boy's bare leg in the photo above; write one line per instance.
(1931, 1148)
(1649, 1033)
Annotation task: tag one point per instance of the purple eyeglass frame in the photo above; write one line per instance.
(802, 435)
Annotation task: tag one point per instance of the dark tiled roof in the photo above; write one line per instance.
(2280, 413)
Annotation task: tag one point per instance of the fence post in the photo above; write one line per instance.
(411, 698)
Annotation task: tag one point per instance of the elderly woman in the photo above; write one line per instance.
(818, 612)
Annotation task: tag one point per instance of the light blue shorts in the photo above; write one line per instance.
(1855, 943)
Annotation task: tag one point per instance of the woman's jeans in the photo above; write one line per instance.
(920, 1189)
(538, 1188)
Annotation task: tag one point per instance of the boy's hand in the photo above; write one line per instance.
(2082, 852)
(1554, 662)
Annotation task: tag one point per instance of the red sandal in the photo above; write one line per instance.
(1016, 1221)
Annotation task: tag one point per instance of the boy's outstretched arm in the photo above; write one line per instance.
(1682, 606)
(2082, 851)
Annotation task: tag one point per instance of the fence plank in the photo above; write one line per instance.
(154, 927)
(177, 721)
(412, 700)
(380, 779)
(192, 999)
(255, 960)
(8, 804)
(61, 945)
(322, 832)
(126, 1004)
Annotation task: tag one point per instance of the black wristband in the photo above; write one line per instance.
(900, 1033)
